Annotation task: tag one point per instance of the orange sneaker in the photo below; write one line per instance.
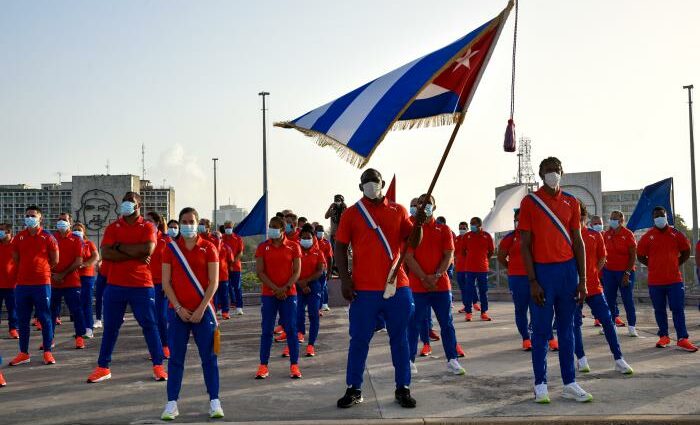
(468, 317)
(460, 351)
(99, 374)
(166, 352)
(434, 336)
(426, 351)
(485, 317)
(310, 351)
(619, 323)
(476, 307)
(225, 315)
(300, 336)
(262, 372)
(554, 344)
(58, 322)
(527, 345)
(79, 343)
(279, 329)
(37, 324)
(159, 373)
(663, 342)
(14, 334)
(596, 323)
(48, 358)
(294, 372)
(21, 358)
(320, 313)
(285, 352)
(2, 381)
(281, 337)
(685, 344)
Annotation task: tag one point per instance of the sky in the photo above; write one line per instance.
(83, 83)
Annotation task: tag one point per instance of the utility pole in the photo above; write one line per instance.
(692, 164)
(264, 140)
(214, 215)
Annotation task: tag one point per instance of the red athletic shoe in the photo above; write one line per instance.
(485, 317)
(2, 381)
(99, 374)
(263, 372)
(619, 323)
(468, 317)
(159, 373)
(310, 351)
(48, 358)
(596, 323)
(476, 307)
(294, 372)
(685, 344)
(320, 313)
(460, 351)
(58, 322)
(21, 358)
(434, 336)
(281, 337)
(166, 352)
(279, 329)
(300, 336)
(79, 343)
(426, 351)
(285, 351)
(225, 315)
(663, 342)
(37, 324)
(527, 345)
(14, 334)
(554, 344)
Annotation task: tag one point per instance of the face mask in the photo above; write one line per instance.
(228, 230)
(2, 234)
(127, 208)
(552, 180)
(31, 222)
(319, 235)
(428, 210)
(661, 222)
(173, 232)
(597, 227)
(463, 232)
(474, 228)
(288, 228)
(372, 190)
(274, 233)
(78, 233)
(338, 203)
(306, 243)
(62, 225)
(188, 231)
(201, 228)
(614, 224)
(412, 210)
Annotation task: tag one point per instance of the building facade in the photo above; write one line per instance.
(620, 200)
(229, 213)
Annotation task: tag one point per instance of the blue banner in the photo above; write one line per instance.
(655, 195)
(254, 223)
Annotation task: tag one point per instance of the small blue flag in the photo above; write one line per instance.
(655, 195)
(254, 223)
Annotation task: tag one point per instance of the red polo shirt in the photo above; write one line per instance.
(198, 258)
(88, 249)
(510, 244)
(237, 245)
(131, 273)
(278, 263)
(437, 238)
(461, 253)
(478, 245)
(156, 264)
(33, 251)
(8, 270)
(70, 247)
(294, 236)
(595, 250)
(548, 243)
(310, 259)
(618, 243)
(326, 248)
(225, 259)
(663, 249)
(104, 268)
(370, 261)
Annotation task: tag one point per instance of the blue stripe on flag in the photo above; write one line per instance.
(444, 103)
(337, 108)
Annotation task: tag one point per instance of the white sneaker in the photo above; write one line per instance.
(601, 331)
(215, 410)
(97, 324)
(541, 394)
(239, 312)
(170, 412)
(632, 332)
(456, 368)
(583, 366)
(414, 369)
(325, 307)
(574, 392)
(89, 333)
(622, 367)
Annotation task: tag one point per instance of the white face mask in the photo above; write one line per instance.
(661, 222)
(372, 190)
(552, 180)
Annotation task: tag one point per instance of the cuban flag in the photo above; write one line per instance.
(433, 90)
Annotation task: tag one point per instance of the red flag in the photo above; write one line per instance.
(391, 192)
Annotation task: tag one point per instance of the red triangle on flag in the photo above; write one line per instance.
(391, 192)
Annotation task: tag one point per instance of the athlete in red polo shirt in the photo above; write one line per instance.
(327, 249)
(555, 261)
(87, 276)
(291, 229)
(373, 257)
(191, 312)
(128, 244)
(35, 252)
(619, 271)
(65, 279)
(156, 267)
(225, 260)
(313, 265)
(237, 246)
(664, 249)
(479, 248)
(8, 278)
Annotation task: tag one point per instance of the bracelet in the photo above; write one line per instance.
(628, 273)
(178, 308)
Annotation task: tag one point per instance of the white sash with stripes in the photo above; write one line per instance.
(390, 287)
(192, 277)
(555, 220)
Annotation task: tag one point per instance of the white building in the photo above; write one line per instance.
(229, 213)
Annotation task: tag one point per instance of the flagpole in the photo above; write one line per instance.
(692, 164)
(264, 141)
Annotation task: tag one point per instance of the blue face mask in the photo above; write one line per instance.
(661, 222)
(614, 224)
(463, 231)
(31, 222)
(274, 233)
(288, 228)
(597, 227)
(2, 234)
(201, 228)
(306, 243)
(62, 225)
(188, 231)
(127, 208)
(173, 232)
(474, 228)
(319, 235)
(78, 233)
(413, 211)
(228, 230)
(428, 210)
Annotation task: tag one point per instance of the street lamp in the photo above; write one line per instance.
(264, 140)
(214, 218)
(692, 164)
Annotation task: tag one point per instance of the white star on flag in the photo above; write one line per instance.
(464, 59)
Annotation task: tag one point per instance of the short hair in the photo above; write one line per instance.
(70, 216)
(157, 219)
(222, 228)
(206, 221)
(304, 219)
(81, 225)
(338, 197)
(594, 216)
(134, 194)
(622, 215)
(441, 219)
(658, 208)
(173, 221)
(478, 220)
(33, 208)
(307, 228)
(319, 228)
(228, 223)
(291, 215)
(582, 208)
(188, 210)
(551, 161)
(279, 215)
(277, 220)
(7, 226)
(463, 223)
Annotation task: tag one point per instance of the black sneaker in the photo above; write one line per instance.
(352, 397)
(403, 397)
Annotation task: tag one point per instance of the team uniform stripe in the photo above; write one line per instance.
(192, 277)
(555, 220)
(371, 223)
